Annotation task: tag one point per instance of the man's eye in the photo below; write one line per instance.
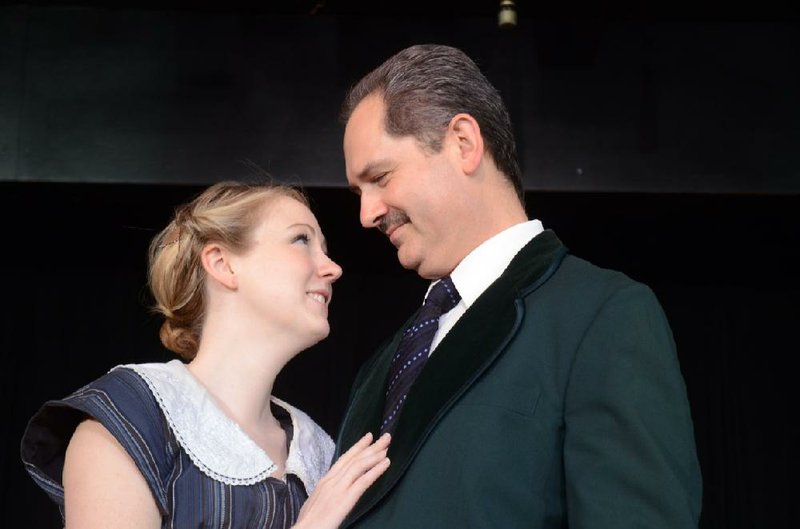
(379, 178)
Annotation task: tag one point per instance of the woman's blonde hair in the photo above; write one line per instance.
(225, 213)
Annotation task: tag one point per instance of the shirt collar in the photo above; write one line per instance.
(483, 265)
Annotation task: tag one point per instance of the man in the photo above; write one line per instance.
(550, 395)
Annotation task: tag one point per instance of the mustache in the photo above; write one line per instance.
(394, 217)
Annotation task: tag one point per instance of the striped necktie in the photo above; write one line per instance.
(414, 349)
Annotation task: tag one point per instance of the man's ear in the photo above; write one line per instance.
(465, 132)
(216, 262)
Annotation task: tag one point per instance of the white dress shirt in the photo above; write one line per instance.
(481, 267)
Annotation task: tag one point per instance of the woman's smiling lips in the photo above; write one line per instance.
(320, 296)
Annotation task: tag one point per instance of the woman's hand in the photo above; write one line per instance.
(341, 487)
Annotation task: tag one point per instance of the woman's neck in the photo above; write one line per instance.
(240, 377)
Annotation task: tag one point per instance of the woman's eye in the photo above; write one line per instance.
(301, 238)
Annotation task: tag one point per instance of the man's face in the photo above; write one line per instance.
(406, 192)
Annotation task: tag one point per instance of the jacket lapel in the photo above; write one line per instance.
(365, 410)
(470, 347)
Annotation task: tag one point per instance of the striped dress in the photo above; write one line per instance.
(203, 471)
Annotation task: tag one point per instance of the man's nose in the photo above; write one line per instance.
(372, 210)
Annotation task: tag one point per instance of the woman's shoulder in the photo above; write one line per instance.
(122, 402)
(120, 388)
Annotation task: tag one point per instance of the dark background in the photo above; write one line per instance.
(660, 142)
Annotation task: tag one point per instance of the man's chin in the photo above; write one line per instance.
(425, 272)
(426, 269)
(407, 261)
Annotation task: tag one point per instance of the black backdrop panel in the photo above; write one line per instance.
(12, 32)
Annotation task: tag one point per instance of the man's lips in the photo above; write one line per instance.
(391, 221)
(392, 231)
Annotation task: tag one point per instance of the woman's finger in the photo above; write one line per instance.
(359, 452)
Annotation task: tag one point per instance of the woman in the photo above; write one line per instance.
(243, 281)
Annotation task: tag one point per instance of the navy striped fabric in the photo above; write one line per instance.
(187, 498)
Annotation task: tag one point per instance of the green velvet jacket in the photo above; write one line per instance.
(556, 401)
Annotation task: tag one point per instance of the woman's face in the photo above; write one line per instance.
(286, 277)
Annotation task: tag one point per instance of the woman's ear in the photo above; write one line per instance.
(216, 262)
(465, 133)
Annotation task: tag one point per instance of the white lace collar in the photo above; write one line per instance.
(216, 444)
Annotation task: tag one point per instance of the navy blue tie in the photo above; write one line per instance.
(414, 349)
